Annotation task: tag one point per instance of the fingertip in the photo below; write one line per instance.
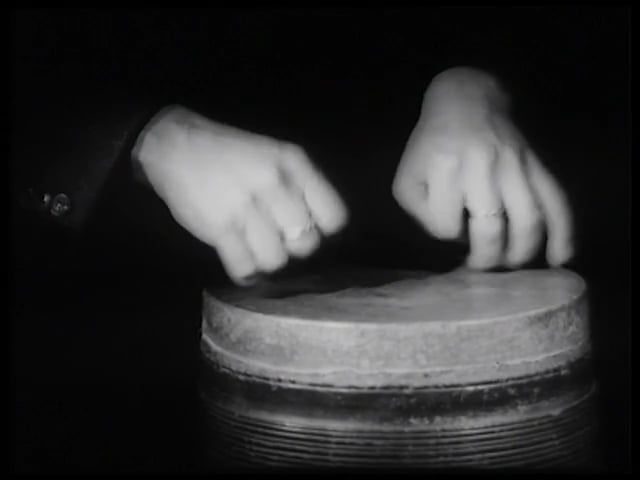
(235, 256)
(513, 264)
(305, 246)
(472, 263)
(478, 263)
(331, 224)
(245, 279)
(272, 260)
(515, 259)
(446, 230)
(327, 208)
(559, 255)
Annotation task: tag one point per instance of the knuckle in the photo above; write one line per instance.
(292, 152)
(440, 163)
(266, 178)
(482, 150)
(509, 153)
(396, 189)
(400, 190)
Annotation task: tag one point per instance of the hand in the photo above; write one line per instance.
(255, 199)
(465, 153)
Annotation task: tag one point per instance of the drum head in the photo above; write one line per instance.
(364, 328)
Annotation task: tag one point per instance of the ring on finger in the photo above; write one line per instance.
(496, 212)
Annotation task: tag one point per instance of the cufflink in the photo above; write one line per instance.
(60, 205)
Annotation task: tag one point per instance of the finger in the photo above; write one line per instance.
(555, 209)
(327, 208)
(482, 199)
(524, 225)
(264, 240)
(290, 214)
(235, 255)
(433, 198)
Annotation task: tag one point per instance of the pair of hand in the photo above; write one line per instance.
(259, 201)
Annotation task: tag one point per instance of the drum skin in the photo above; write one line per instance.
(373, 369)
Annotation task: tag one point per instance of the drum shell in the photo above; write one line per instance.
(527, 414)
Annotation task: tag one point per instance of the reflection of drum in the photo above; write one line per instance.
(393, 369)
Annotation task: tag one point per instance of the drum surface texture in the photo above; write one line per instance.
(392, 369)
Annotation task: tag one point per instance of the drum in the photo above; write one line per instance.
(390, 369)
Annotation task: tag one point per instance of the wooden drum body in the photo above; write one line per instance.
(377, 369)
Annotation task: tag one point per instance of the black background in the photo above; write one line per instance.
(104, 342)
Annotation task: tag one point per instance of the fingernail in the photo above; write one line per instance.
(248, 280)
(511, 261)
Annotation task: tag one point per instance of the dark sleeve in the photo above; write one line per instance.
(60, 168)
(79, 104)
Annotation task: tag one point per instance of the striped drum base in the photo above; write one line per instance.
(475, 385)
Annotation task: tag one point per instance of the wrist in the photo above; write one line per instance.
(155, 142)
(464, 93)
(156, 129)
